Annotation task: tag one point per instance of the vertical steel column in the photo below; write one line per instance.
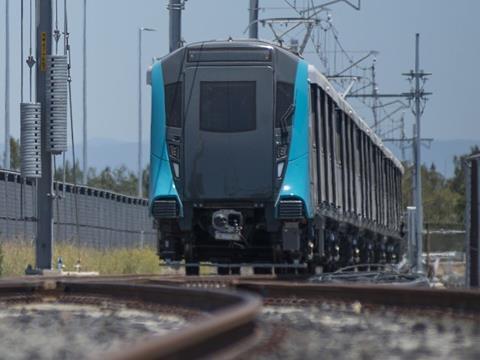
(411, 233)
(6, 160)
(418, 163)
(253, 20)
(44, 243)
(85, 163)
(175, 27)
(139, 160)
(375, 98)
(472, 219)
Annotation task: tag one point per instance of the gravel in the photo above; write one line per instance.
(339, 331)
(55, 330)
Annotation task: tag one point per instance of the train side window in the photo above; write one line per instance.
(339, 139)
(228, 106)
(283, 100)
(173, 104)
(323, 116)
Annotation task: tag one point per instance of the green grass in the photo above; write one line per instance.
(17, 255)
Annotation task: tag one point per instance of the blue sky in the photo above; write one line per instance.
(450, 49)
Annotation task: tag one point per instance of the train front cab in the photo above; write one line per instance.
(303, 186)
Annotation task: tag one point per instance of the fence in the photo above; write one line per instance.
(105, 219)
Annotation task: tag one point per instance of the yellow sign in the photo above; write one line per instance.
(43, 52)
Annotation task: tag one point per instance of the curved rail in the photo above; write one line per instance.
(229, 327)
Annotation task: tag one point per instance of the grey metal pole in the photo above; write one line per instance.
(375, 98)
(44, 239)
(418, 164)
(253, 20)
(6, 160)
(85, 162)
(175, 8)
(139, 160)
(139, 172)
(472, 221)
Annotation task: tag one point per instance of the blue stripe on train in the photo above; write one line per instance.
(161, 178)
(296, 182)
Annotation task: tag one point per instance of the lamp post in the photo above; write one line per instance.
(140, 178)
(6, 160)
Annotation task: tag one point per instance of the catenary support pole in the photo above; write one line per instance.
(375, 98)
(253, 20)
(6, 160)
(85, 145)
(44, 243)
(175, 8)
(139, 160)
(418, 158)
(472, 221)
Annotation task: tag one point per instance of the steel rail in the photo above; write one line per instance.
(297, 288)
(230, 328)
(400, 296)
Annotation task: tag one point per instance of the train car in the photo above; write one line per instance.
(255, 158)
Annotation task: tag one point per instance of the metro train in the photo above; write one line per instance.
(256, 159)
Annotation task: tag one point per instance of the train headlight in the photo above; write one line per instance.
(280, 167)
(281, 151)
(176, 169)
(174, 151)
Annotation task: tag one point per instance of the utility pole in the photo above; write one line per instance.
(175, 8)
(139, 160)
(418, 96)
(253, 20)
(6, 160)
(375, 97)
(85, 163)
(44, 242)
(140, 166)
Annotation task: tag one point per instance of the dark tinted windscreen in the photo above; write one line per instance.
(284, 100)
(173, 104)
(227, 106)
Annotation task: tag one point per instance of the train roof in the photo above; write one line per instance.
(315, 76)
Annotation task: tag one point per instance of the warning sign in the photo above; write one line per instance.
(43, 52)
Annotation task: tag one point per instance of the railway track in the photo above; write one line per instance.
(225, 323)
(229, 319)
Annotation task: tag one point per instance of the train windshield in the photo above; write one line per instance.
(228, 106)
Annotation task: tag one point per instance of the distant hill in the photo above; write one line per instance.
(113, 153)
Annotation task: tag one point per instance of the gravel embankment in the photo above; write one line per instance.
(72, 331)
(339, 331)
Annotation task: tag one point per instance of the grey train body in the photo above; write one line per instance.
(256, 159)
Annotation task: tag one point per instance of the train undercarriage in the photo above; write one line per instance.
(230, 239)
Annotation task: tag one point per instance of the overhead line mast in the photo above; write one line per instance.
(6, 160)
(45, 191)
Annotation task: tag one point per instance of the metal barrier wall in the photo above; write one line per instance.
(105, 219)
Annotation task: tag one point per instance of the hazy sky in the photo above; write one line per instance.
(450, 49)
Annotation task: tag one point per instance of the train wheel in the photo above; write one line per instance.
(262, 271)
(222, 270)
(192, 270)
(235, 270)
